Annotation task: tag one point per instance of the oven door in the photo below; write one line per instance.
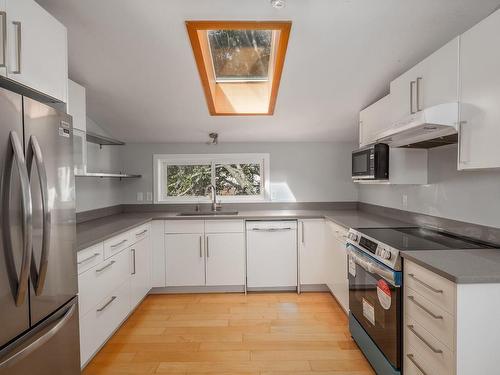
(363, 164)
(375, 301)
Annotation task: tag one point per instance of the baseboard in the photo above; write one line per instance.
(273, 289)
(314, 288)
(198, 289)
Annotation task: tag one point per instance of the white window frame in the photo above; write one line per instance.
(199, 159)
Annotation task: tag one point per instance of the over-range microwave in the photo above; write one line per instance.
(371, 163)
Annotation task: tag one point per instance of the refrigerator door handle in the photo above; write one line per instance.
(43, 334)
(19, 283)
(38, 275)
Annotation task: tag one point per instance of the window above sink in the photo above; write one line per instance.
(187, 178)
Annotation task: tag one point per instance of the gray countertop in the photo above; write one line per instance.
(94, 231)
(460, 266)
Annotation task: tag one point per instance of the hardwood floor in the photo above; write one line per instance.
(233, 334)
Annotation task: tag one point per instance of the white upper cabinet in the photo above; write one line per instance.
(312, 251)
(432, 82)
(480, 95)
(36, 53)
(3, 44)
(373, 120)
(77, 106)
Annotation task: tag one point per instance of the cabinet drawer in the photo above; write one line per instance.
(139, 233)
(184, 226)
(434, 354)
(438, 290)
(414, 364)
(116, 244)
(224, 226)
(96, 283)
(101, 321)
(431, 317)
(88, 258)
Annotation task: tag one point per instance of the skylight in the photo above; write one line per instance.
(240, 55)
(240, 64)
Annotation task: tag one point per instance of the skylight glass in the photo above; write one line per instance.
(240, 55)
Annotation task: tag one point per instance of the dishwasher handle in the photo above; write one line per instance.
(271, 229)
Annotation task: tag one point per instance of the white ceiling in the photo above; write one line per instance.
(135, 59)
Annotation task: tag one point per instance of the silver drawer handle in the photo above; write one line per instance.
(106, 266)
(118, 244)
(89, 258)
(106, 304)
(412, 329)
(412, 359)
(425, 284)
(412, 299)
(141, 233)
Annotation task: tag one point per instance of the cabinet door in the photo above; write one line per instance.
(185, 260)
(340, 281)
(373, 120)
(480, 95)
(140, 280)
(312, 251)
(225, 254)
(432, 82)
(77, 105)
(37, 49)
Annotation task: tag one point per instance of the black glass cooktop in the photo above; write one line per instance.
(415, 238)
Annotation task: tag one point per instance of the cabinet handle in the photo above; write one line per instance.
(303, 234)
(411, 357)
(17, 24)
(106, 304)
(419, 81)
(412, 86)
(106, 266)
(461, 160)
(118, 244)
(133, 252)
(425, 284)
(3, 15)
(201, 247)
(141, 233)
(208, 251)
(89, 258)
(421, 338)
(414, 301)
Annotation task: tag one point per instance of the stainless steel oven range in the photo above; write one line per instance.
(375, 287)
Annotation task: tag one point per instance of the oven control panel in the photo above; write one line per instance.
(380, 251)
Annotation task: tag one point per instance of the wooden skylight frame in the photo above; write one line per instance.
(239, 98)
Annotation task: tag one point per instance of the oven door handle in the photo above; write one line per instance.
(371, 266)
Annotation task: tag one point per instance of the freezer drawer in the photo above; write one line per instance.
(272, 254)
(51, 348)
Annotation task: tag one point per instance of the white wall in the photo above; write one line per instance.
(302, 172)
(92, 193)
(472, 196)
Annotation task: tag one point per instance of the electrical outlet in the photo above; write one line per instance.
(405, 201)
(149, 196)
(140, 196)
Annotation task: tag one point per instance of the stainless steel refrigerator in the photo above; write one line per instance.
(38, 276)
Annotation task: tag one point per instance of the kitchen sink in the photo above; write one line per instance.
(207, 213)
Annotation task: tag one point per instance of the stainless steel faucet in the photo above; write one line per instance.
(215, 206)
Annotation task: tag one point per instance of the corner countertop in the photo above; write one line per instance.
(472, 266)
(94, 231)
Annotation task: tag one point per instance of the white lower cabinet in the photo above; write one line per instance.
(204, 253)
(336, 265)
(225, 258)
(312, 251)
(102, 320)
(185, 259)
(140, 279)
(112, 287)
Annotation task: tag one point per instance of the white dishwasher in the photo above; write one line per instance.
(271, 255)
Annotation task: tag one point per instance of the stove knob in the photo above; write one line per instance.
(386, 254)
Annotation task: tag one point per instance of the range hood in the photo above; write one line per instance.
(432, 127)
